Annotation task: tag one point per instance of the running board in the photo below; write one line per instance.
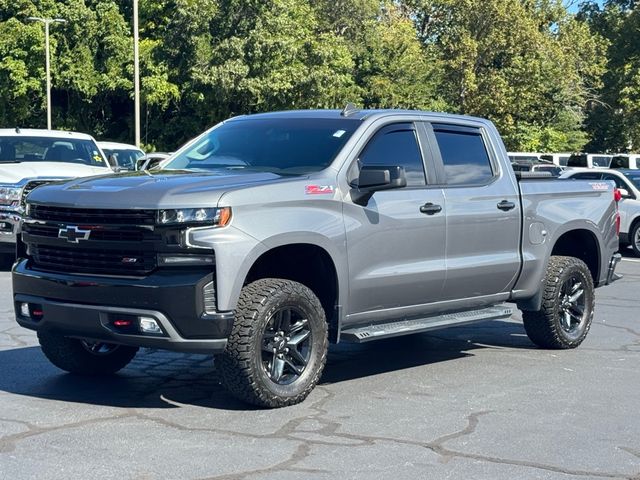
(406, 327)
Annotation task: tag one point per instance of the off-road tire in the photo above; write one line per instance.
(544, 326)
(241, 365)
(71, 355)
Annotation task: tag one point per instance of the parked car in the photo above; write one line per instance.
(560, 159)
(121, 155)
(628, 183)
(540, 166)
(29, 158)
(524, 156)
(589, 160)
(630, 160)
(272, 234)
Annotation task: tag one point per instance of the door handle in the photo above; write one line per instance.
(506, 205)
(430, 208)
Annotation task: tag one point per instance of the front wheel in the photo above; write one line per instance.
(278, 345)
(568, 302)
(85, 357)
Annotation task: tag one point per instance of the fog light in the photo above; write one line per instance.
(149, 325)
(24, 310)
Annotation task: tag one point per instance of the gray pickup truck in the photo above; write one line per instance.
(271, 235)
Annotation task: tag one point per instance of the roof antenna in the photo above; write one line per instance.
(350, 109)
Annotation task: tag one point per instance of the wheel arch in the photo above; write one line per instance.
(307, 263)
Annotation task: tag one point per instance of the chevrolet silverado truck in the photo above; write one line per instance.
(271, 235)
(32, 157)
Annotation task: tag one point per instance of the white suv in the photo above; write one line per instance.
(29, 158)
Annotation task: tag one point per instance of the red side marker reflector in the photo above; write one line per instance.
(617, 196)
(37, 313)
(122, 323)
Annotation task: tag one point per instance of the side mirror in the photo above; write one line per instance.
(373, 178)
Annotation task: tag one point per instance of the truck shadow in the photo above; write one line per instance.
(158, 379)
(6, 261)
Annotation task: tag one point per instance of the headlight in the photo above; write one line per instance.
(206, 216)
(10, 196)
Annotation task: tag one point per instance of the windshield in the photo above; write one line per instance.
(46, 149)
(634, 178)
(125, 158)
(286, 146)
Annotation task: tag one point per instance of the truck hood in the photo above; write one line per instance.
(11, 173)
(163, 189)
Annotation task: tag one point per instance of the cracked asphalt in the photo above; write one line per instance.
(475, 402)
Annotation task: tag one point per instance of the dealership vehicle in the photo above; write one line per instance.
(628, 184)
(524, 156)
(627, 160)
(121, 155)
(537, 166)
(560, 159)
(589, 160)
(29, 158)
(271, 235)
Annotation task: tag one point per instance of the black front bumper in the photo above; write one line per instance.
(84, 306)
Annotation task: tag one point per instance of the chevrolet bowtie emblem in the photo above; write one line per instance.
(73, 234)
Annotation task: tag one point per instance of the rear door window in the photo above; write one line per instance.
(464, 155)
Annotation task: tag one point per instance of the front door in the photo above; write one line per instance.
(396, 249)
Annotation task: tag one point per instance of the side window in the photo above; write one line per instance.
(464, 155)
(587, 176)
(396, 145)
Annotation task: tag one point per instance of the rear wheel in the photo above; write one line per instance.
(567, 305)
(83, 356)
(278, 346)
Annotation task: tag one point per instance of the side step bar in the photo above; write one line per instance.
(405, 327)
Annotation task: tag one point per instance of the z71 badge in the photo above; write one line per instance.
(318, 189)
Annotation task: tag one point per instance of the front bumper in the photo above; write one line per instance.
(9, 224)
(84, 306)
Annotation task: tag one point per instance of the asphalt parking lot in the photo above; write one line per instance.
(476, 402)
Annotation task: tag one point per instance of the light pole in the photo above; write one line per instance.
(47, 22)
(136, 74)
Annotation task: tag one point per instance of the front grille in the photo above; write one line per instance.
(30, 186)
(97, 216)
(84, 260)
(97, 234)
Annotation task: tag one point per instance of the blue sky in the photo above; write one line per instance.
(575, 4)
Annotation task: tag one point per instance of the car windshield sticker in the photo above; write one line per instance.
(339, 133)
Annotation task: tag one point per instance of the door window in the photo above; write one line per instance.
(464, 155)
(396, 145)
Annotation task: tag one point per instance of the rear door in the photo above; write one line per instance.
(483, 214)
(396, 242)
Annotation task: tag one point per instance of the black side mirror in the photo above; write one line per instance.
(373, 178)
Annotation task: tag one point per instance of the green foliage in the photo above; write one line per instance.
(614, 120)
(530, 66)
